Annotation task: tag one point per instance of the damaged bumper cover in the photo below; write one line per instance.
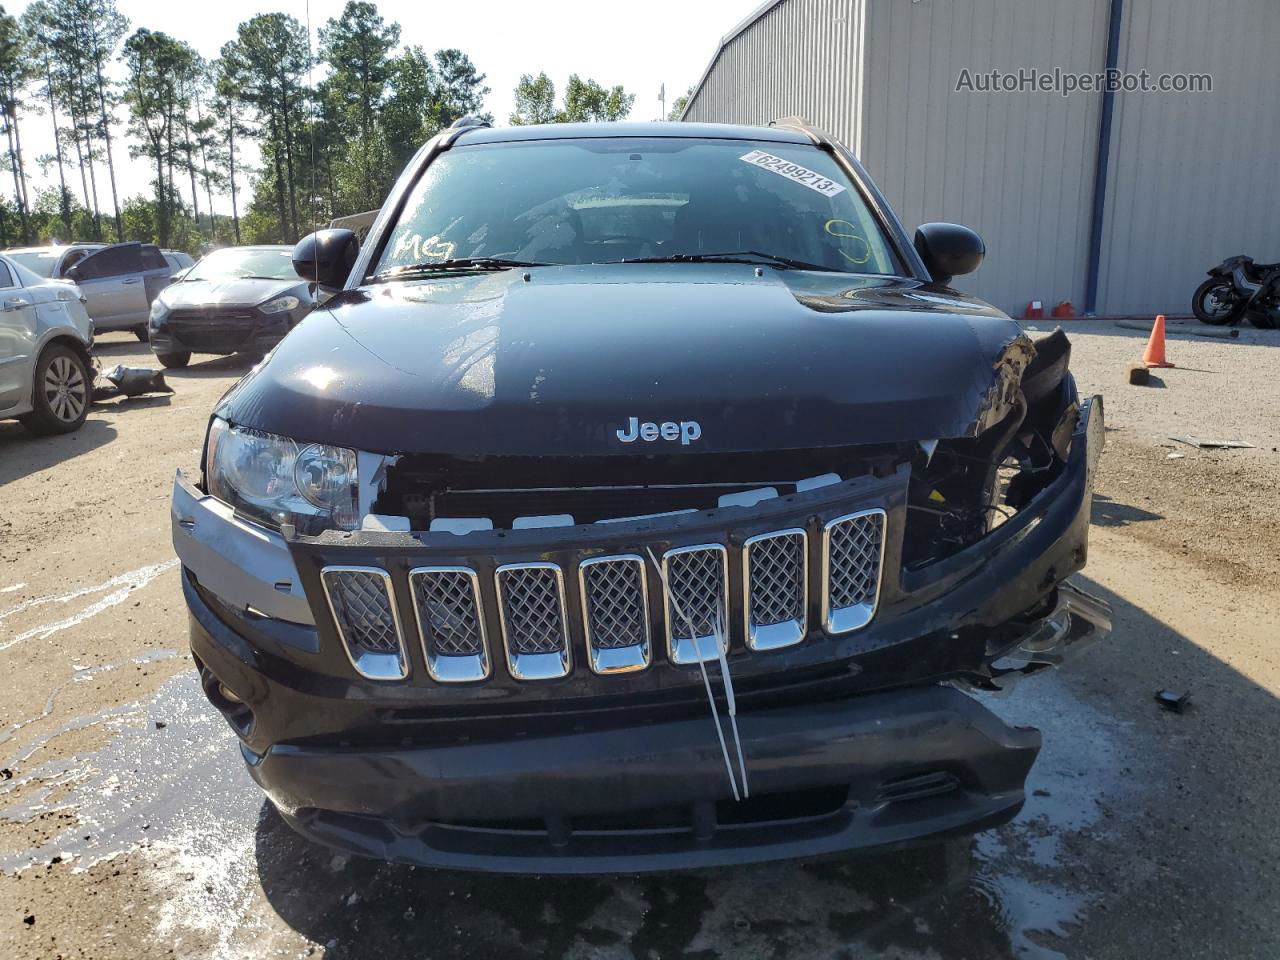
(242, 334)
(851, 740)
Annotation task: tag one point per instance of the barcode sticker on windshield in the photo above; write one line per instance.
(793, 171)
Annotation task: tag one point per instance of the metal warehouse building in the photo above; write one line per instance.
(1117, 202)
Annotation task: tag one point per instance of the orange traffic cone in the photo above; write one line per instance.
(1154, 355)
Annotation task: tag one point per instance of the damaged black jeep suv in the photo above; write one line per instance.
(643, 499)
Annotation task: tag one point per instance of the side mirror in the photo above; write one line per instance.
(326, 256)
(949, 250)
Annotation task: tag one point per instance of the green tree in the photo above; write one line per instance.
(57, 217)
(357, 47)
(408, 118)
(17, 69)
(678, 105)
(272, 56)
(80, 38)
(233, 129)
(33, 25)
(584, 101)
(535, 100)
(587, 101)
(159, 68)
(459, 91)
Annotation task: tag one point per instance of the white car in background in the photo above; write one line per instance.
(46, 380)
(118, 281)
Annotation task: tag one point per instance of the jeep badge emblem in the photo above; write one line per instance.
(686, 431)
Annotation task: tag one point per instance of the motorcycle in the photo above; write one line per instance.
(1237, 288)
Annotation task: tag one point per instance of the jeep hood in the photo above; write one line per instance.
(494, 364)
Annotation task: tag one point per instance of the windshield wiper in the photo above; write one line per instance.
(737, 256)
(457, 263)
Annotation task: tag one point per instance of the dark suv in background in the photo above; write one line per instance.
(644, 499)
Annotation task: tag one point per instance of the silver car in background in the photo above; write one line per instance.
(46, 379)
(118, 281)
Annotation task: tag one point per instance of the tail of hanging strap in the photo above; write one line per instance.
(727, 681)
(706, 680)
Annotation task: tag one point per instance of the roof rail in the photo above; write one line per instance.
(469, 121)
(801, 125)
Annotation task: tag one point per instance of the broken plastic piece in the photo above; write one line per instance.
(1170, 700)
(460, 525)
(748, 498)
(131, 382)
(1207, 444)
(815, 483)
(383, 523)
(543, 520)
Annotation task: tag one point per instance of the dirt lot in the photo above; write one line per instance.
(128, 828)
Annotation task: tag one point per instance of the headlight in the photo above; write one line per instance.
(279, 305)
(276, 480)
(158, 311)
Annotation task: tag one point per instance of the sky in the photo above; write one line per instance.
(639, 45)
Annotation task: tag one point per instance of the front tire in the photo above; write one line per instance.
(1215, 302)
(175, 360)
(140, 331)
(60, 394)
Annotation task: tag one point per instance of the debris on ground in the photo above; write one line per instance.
(1207, 444)
(1171, 700)
(130, 382)
(1176, 456)
(1139, 375)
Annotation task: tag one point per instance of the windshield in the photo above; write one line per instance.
(605, 200)
(245, 262)
(39, 262)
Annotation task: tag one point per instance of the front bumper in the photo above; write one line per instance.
(241, 331)
(878, 771)
(565, 775)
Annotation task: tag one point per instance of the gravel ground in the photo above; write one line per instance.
(128, 828)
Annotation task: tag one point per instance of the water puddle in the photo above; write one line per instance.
(170, 768)
(170, 780)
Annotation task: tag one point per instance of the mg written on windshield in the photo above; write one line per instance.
(604, 201)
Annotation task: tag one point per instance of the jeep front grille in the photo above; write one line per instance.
(695, 578)
(612, 620)
(534, 631)
(775, 580)
(447, 603)
(852, 553)
(615, 613)
(362, 602)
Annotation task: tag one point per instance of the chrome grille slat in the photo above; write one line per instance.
(534, 631)
(362, 602)
(853, 555)
(447, 604)
(615, 612)
(775, 578)
(695, 579)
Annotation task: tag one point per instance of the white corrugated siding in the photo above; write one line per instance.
(799, 59)
(1017, 167)
(881, 76)
(1192, 177)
